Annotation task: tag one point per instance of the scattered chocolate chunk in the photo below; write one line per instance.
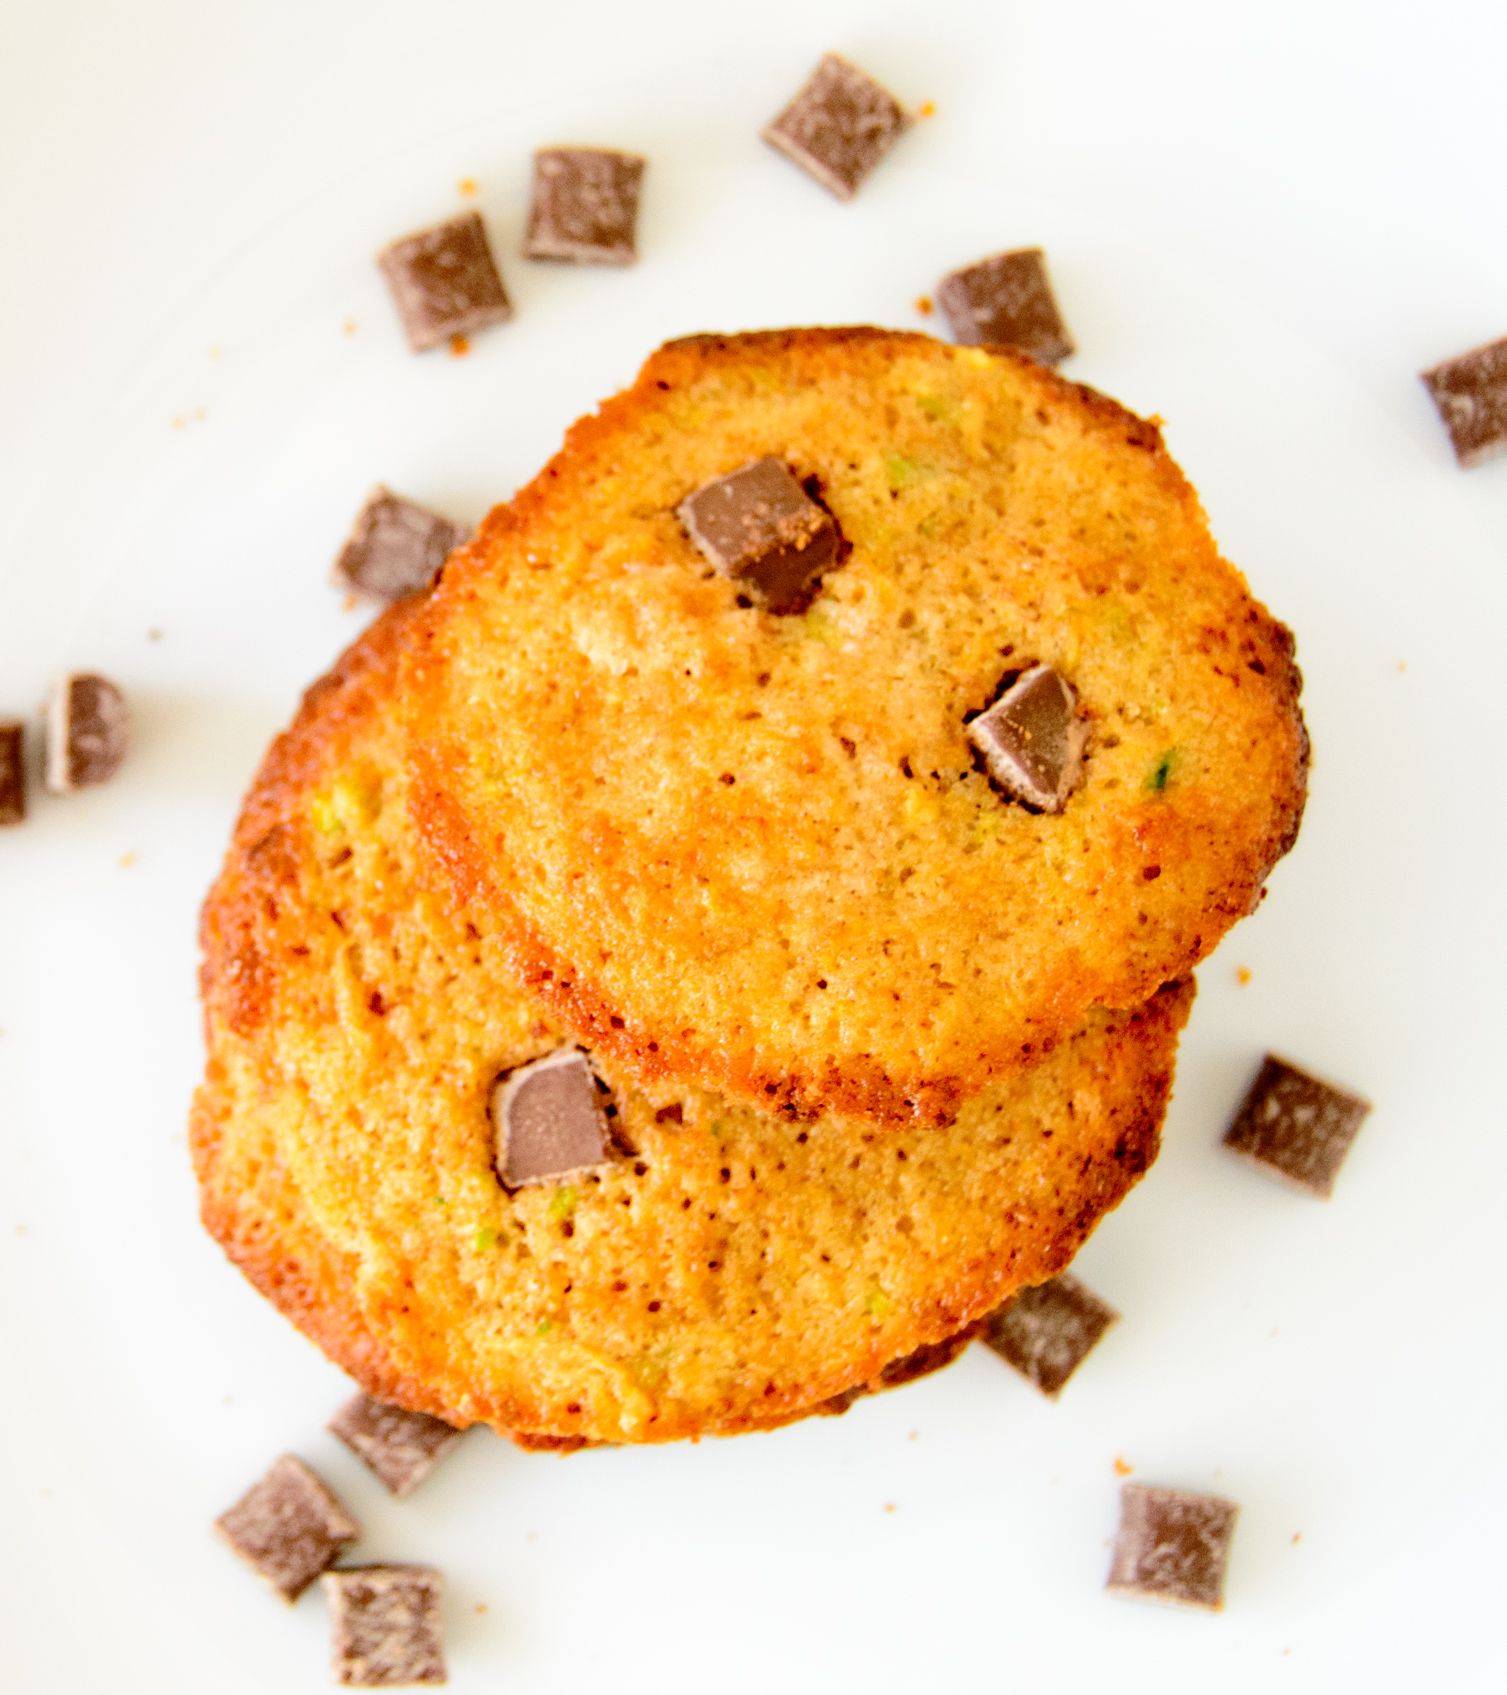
(1032, 740)
(395, 547)
(840, 125)
(445, 282)
(289, 1527)
(1471, 394)
(88, 732)
(386, 1625)
(1172, 1546)
(12, 773)
(758, 526)
(1006, 301)
(585, 206)
(1296, 1127)
(401, 1447)
(549, 1120)
(1046, 1333)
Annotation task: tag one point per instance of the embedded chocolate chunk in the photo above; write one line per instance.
(401, 1447)
(548, 1120)
(1047, 1332)
(1172, 1546)
(395, 547)
(1296, 1127)
(1032, 739)
(922, 1362)
(12, 773)
(1471, 394)
(760, 527)
(386, 1626)
(288, 1527)
(445, 281)
(88, 732)
(1006, 301)
(585, 205)
(839, 126)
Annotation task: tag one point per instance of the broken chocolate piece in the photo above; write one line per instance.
(401, 1447)
(760, 527)
(444, 281)
(395, 547)
(585, 206)
(386, 1626)
(1471, 394)
(88, 732)
(548, 1120)
(1172, 1546)
(288, 1527)
(1047, 1332)
(1032, 740)
(1006, 301)
(839, 126)
(12, 773)
(1296, 1127)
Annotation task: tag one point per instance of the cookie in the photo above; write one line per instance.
(769, 846)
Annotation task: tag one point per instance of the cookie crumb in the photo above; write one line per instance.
(460, 346)
(927, 109)
(1297, 1537)
(467, 186)
(348, 327)
(154, 634)
(1123, 1467)
(924, 305)
(127, 860)
(1242, 975)
(214, 352)
(1402, 666)
(180, 423)
(889, 1506)
(350, 603)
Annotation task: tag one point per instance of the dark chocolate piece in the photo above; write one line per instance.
(1032, 740)
(839, 126)
(585, 206)
(401, 1447)
(12, 773)
(386, 1626)
(88, 732)
(549, 1120)
(760, 527)
(1471, 394)
(445, 281)
(1006, 301)
(288, 1527)
(1047, 1332)
(1172, 1546)
(395, 547)
(1296, 1127)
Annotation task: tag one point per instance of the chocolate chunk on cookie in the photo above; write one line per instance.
(395, 547)
(1172, 1546)
(401, 1447)
(444, 281)
(387, 1627)
(1296, 1127)
(1006, 301)
(585, 206)
(549, 1120)
(1047, 1332)
(12, 773)
(839, 126)
(88, 732)
(289, 1527)
(1471, 395)
(1032, 739)
(758, 526)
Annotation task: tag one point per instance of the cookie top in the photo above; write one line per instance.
(724, 1270)
(781, 852)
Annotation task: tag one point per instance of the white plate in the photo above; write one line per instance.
(1335, 1369)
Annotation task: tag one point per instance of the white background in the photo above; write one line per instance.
(1263, 220)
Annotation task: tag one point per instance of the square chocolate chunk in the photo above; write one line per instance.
(288, 1527)
(760, 527)
(1172, 1546)
(585, 206)
(1471, 394)
(1032, 740)
(386, 1624)
(12, 773)
(840, 125)
(395, 547)
(401, 1447)
(445, 281)
(1006, 301)
(1296, 1127)
(1047, 1332)
(88, 732)
(549, 1120)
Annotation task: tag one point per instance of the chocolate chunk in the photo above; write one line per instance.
(760, 527)
(549, 1120)
(1296, 1127)
(1047, 1332)
(1032, 740)
(840, 125)
(395, 547)
(1006, 301)
(12, 773)
(289, 1527)
(88, 732)
(1471, 394)
(401, 1447)
(445, 281)
(585, 206)
(1172, 1546)
(386, 1625)
(922, 1362)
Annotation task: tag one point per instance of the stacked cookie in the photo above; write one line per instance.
(733, 933)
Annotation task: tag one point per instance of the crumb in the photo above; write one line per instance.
(1123, 1467)
(913, 1435)
(200, 414)
(467, 185)
(180, 423)
(350, 603)
(154, 634)
(214, 353)
(460, 346)
(348, 327)
(1275, 1331)
(1242, 975)
(1402, 665)
(923, 305)
(1297, 1537)
(889, 1506)
(533, 1536)
(1286, 1652)
(927, 109)
(481, 1606)
(127, 860)
(21, 1230)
